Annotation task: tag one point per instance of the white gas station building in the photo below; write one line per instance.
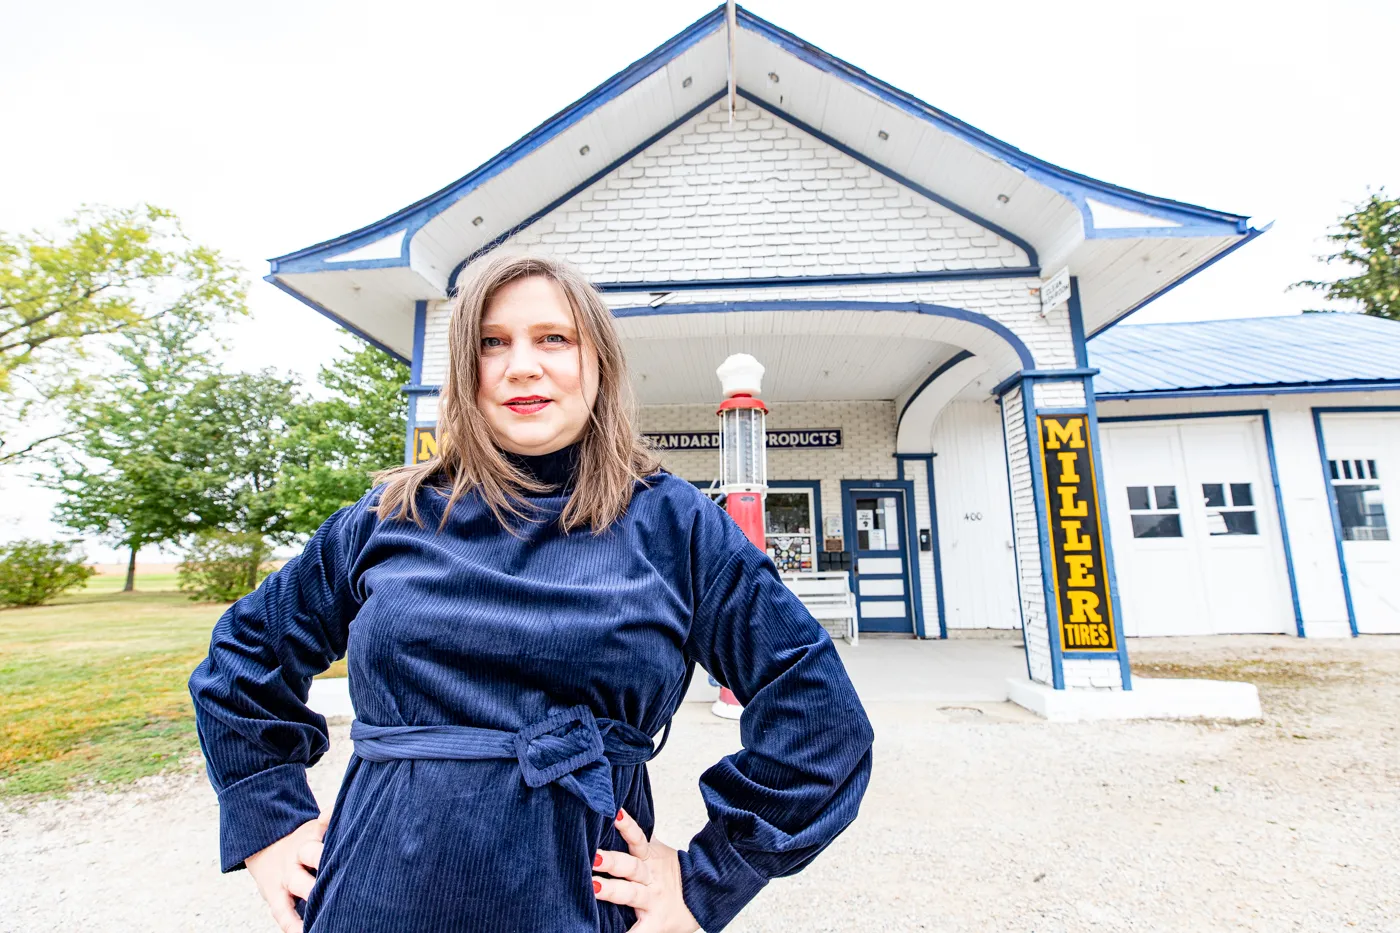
(955, 420)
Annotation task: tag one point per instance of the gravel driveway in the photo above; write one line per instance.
(978, 817)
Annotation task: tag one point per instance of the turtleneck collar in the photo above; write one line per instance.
(557, 468)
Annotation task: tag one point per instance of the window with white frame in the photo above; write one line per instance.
(790, 529)
(1154, 511)
(1230, 508)
(1359, 505)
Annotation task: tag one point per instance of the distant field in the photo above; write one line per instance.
(93, 685)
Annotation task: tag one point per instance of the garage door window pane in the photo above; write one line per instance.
(1241, 494)
(1138, 500)
(1214, 494)
(1362, 512)
(1166, 496)
(1167, 525)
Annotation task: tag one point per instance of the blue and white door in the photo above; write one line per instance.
(880, 572)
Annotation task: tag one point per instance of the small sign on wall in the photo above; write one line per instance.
(1054, 291)
(1076, 535)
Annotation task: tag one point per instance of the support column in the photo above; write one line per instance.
(1069, 601)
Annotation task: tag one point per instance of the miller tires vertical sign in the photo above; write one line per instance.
(1076, 535)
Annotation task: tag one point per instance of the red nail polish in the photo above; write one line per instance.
(597, 860)
(597, 886)
(619, 816)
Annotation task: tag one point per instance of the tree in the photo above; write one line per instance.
(134, 473)
(334, 444)
(116, 271)
(1370, 239)
(238, 423)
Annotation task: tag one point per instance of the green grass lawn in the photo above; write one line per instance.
(93, 685)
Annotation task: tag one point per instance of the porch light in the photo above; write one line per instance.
(686, 82)
(583, 150)
(476, 221)
(773, 76)
(883, 135)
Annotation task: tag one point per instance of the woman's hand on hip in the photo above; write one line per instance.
(647, 878)
(280, 871)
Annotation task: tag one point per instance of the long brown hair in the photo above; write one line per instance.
(612, 456)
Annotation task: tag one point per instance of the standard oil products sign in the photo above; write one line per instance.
(777, 439)
(1076, 535)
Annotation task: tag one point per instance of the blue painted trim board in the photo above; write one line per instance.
(1317, 414)
(412, 424)
(1263, 415)
(1015, 379)
(933, 536)
(420, 331)
(1314, 388)
(911, 533)
(1076, 325)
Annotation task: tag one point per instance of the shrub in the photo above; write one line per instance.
(224, 565)
(32, 571)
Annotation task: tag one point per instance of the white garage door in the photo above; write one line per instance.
(1363, 453)
(1196, 539)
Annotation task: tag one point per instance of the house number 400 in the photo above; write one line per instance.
(972, 516)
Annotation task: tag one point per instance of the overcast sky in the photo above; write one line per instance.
(269, 126)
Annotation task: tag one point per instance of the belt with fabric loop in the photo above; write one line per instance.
(570, 748)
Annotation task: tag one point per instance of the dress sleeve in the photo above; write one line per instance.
(798, 780)
(255, 729)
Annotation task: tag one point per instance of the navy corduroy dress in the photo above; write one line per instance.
(475, 627)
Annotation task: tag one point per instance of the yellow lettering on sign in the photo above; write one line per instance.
(1083, 606)
(1067, 459)
(426, 446)
(1069, 506)
(1056, 433)
(1074, 541)
(1079, 567)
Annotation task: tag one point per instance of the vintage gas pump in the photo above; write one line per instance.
(743, 472)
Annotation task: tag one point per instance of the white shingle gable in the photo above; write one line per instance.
(757, 198)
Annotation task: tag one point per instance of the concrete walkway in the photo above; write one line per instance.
(966, 668)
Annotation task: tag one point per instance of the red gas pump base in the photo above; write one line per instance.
(746, 508)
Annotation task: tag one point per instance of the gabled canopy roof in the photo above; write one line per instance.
(1126, 247)
(1313, 351)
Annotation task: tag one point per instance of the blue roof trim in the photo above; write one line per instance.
(1268, 389)
(1061, 179)
(1195, 220)
(1031, 257)
(322, 309)
(1250, 234)
(916, 307)
(420, 212)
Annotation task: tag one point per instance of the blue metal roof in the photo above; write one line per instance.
(1300, 351)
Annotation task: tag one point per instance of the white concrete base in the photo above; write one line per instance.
(330, 696)
(1150, 698)
(1335, 628)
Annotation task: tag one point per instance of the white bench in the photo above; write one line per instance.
(827, 595)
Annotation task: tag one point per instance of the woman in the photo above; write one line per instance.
(521, 614)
